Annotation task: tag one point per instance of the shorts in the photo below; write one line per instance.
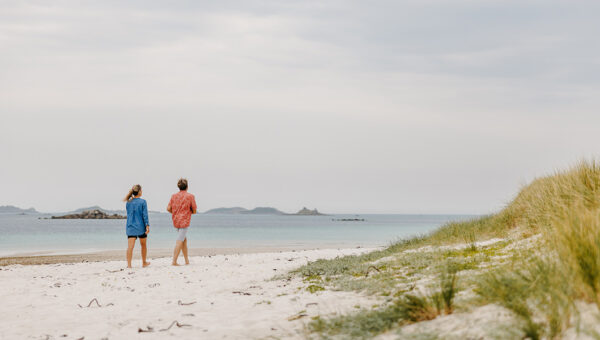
(181, 233)
(136, 236)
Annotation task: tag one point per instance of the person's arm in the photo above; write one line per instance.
(169, 207)
(145, 217)
(194, 207)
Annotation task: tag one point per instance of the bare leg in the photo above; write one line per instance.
(130, 245)
(184, 249)
(178, 246)
(144, 252)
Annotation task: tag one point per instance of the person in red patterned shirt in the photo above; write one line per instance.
(181, 207)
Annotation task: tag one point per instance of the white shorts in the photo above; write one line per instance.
(181, 233)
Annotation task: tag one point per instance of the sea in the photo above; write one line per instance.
(35, 234)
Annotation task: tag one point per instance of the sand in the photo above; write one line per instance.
(117, 255)
(223, 296)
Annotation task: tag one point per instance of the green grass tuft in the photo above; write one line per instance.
(314, 288)
(405, 309)
(536, 289)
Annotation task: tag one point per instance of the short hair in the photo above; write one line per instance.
(182, 184)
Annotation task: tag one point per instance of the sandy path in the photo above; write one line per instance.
(232, 297)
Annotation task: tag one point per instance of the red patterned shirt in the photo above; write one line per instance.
(182, 204)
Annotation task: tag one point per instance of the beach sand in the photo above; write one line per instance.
(117, 255)
(232, 296)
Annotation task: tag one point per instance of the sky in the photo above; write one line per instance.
(425, 106)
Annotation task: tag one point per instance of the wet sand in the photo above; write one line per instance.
(116, 255)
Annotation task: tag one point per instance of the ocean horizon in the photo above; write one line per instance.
(33, 234)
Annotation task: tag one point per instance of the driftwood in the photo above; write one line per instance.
(241, 293)
(368, 269)
(150, 329)
(115, 271)
(297, 316)
(185, 303)
(174, 323)
(147, 330)
(97, 303)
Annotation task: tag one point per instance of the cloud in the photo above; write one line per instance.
(412, 106)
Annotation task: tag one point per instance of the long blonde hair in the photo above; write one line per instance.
(133, 192)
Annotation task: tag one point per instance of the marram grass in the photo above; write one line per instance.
(407, 308)
(563, 208)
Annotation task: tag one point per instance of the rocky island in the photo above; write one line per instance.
(307, 212)
(263, 211)
(234, 210)
(95, 214)
(11, 209)
(240, 210)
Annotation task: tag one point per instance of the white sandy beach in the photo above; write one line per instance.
(223, 296)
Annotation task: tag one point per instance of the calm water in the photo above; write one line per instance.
(27, 233)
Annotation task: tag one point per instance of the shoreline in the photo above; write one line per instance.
(42, 258)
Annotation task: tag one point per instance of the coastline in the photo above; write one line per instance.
(42, 258)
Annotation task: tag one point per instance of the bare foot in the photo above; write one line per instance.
(187, 262)
(175, 264)
(146, 264)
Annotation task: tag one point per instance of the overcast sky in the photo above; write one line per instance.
(425, 106)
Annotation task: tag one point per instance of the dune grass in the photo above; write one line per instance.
(536, 291)
(563, 208)
(406, 308)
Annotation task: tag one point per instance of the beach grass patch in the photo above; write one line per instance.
(362, 324)
(314, 288)
(407, 308)
(536, 291)
(313, 278)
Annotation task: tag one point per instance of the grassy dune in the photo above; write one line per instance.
(538, 259)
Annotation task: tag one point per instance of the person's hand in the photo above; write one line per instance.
(147, 230)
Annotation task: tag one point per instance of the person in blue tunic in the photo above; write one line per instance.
(137, 223)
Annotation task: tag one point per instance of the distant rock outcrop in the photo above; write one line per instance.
(307, 212)
(95, 214)
(95, 207)
(262, 211)
(11, 209)
(234, 210)
(349, 219)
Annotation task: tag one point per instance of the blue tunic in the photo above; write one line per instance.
(137, 217)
